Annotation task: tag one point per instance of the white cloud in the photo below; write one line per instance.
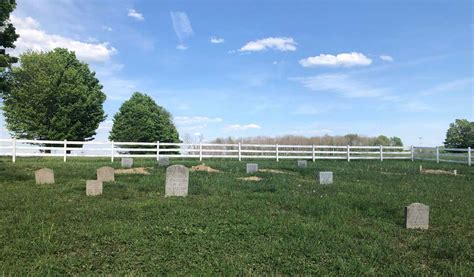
(216, 40)
(32, 37)
(181, 47)
(133, 13)
(277, 43)
(343, 85)
(343, 59)
(107, 28)
(386, 58)
(187, 120)
(451, 86)
(182, 25)
(239, 127)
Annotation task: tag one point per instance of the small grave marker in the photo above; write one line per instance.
(93, 187)
(252, 168)
(177, 180)
(105, 174)
(44, 176)
(127, 162)
(164, 161)
(417, 216)
(325, 177)
(302, 163)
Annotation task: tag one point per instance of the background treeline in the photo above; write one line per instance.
(349, 139)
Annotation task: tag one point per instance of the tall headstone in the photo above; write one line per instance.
(105, 174)
(252, 168)
(44, 176)
(177, 180)
(93, 187)
(302, 163)
(163, 161)
(325, 177)
(127, 162)
(417, 216)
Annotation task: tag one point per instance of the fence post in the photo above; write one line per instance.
(158, 150)
(14, 150)
(314, 156)
(412, 153)
(348, 153)
(437, 154)
(381, 153)
(200, 151)
(112, 152)
(240, 155)
(277, 158)
(65, 151)
(469, 156)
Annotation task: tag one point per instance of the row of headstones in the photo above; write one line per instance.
(128, 162)
(324, 177)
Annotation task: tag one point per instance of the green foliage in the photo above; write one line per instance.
(8, 37)
(54, 97)
(285, 224)
(140, 119)
(382, 140)
(460, 134)
(396, 141)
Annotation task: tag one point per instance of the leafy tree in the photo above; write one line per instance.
(460, 134)
(54, 97)
(382, 140)
(396, 141)
(140, 119)
(351, 139)
(8, 37)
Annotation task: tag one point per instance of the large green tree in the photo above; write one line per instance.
(8, 37)
(140, 119)
(54, 97)
(460, 134)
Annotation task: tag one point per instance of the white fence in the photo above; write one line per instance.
(65, 149)
(441, 154)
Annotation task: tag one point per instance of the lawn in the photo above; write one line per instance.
(284, 224)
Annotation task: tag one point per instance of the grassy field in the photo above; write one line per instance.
(286, 223)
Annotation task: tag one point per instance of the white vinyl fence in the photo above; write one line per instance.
(441, 154)
(65, 149)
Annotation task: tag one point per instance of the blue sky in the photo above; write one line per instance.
(246, 68)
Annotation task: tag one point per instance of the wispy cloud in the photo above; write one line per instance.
(135, 14)
(239, 127)
(343, 59)
(107, 28)
(216, 40)
(186, 120)
(386, 58)
(276, 43)
(313, 109)
(181, 47)
(451, 86)
(34, 38)
(182, 25)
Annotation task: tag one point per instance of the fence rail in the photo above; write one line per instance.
(441, 154)
(49, 148)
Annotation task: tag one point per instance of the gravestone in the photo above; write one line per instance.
(325, 177)
(44, 176)
(127, 162)
(417, 216)
(177, 180)
(302, 163)
(252, 168)
(105, 174)
(163, 161)
(93, 187)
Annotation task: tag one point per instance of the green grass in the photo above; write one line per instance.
(284, 224)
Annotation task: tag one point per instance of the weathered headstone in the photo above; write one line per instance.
(417, 216)
(127, 162)
(302, 163)
(105, 174)
(44, 176)
(93, 187)
(163, 161)
(325, 177)
(177, 180)
(252, 168)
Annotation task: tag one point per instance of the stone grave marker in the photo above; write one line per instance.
(325, 177)
(44, 176)
(252, 168)
(302, 163)
(127, 162)
(93, 187)
(163, 161)
(177, 180)
(417, 216)
(105, 174)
